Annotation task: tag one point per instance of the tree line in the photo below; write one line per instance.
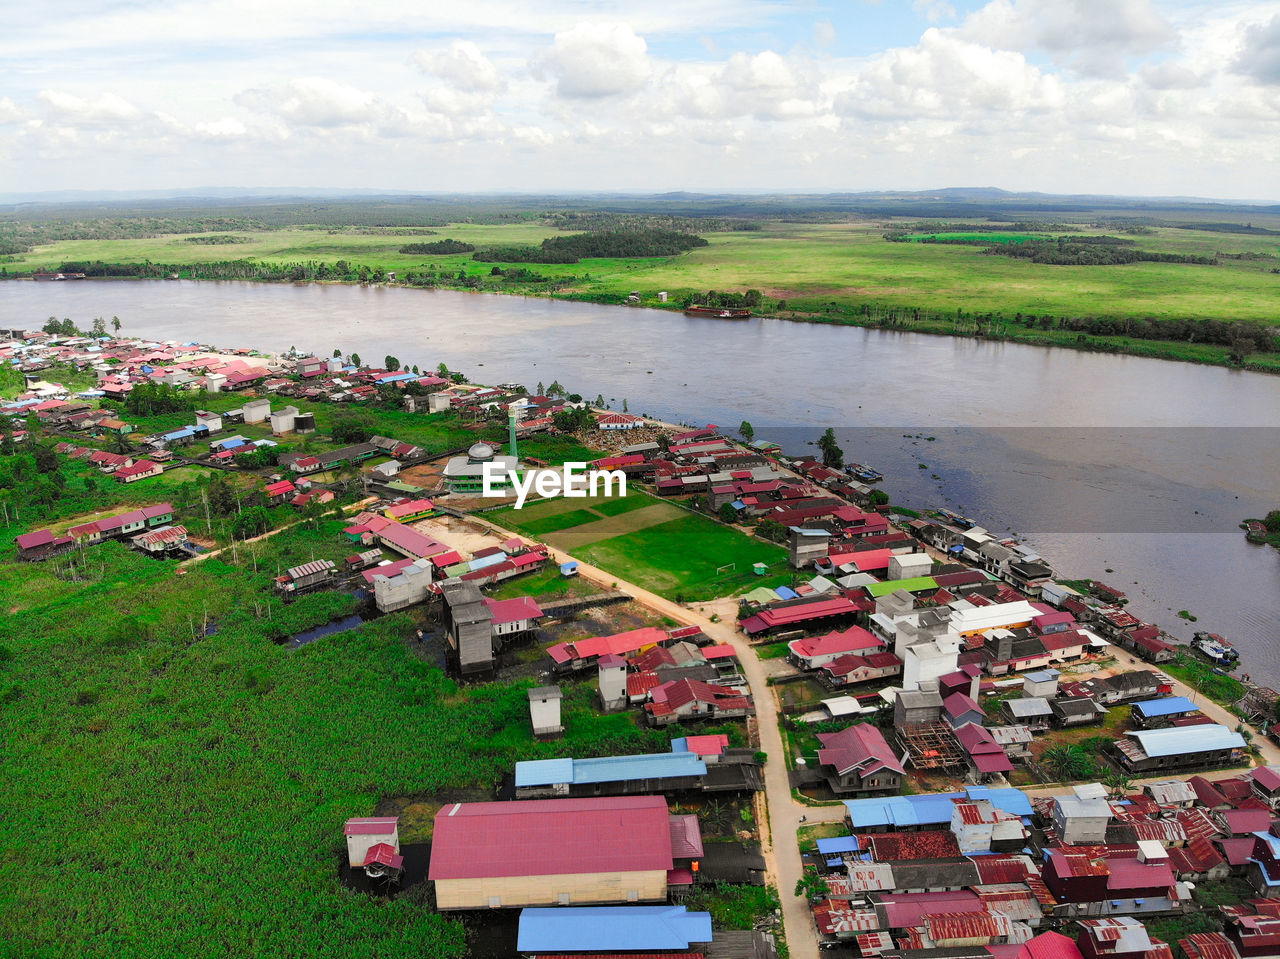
(441, 247)
(1095, 251)
(605, 243)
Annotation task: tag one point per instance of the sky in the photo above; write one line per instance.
(1128, 97)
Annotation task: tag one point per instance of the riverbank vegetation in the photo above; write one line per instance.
(1157, 283)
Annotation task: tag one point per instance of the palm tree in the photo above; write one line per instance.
(1118, 784)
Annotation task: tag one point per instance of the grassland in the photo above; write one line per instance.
(649, 542)
(822, 272)
(810, 266)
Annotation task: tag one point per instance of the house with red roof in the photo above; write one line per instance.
(814, 652)
(42, 544)
(691, 700)
(618, 421)
(859, 760)
(512, 616)
(142, 469)
(854, 669)
(582, 653)
(560, 852)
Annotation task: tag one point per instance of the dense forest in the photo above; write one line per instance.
(1089, 251)
(606, 243)
(442, 247)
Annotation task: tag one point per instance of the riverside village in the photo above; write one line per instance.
(763, 709)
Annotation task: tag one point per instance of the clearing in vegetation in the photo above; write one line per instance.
(650, 542)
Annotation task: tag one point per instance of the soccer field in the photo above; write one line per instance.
(650, 542)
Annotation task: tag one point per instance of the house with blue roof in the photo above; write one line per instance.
(932, 811)
(610, 929)
(1156, 713)
(609, 775)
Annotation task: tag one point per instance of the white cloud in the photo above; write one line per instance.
(945, 77)
(10, 112)
(102, 110)
(1170, 75)
(934, 11)
(1091, 36)
(1260, 56)
(462, 65)
(597, 60)
(316, 102)
(824, 33)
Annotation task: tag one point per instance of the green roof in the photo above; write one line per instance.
(915, 584)
(401, 487)
(761, 594)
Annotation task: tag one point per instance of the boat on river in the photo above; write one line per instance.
(864, 473)
(718, 312)
(1215, 648)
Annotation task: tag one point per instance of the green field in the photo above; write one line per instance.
(649, 542)
(823, 272)
(169, 793)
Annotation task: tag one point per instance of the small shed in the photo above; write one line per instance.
(544, 710)
(1042, 683)
(569, 569)
(760, 568)
(365, 833)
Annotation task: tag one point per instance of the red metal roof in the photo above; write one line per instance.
(1208, 945)
(903, 846)
(862, 747)
(546, 837)
(618, 643)
(686, 837)
(385, 854)
(711, 744)
(513, 610)
(639, 684)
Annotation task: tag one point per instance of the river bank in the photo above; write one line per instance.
(1120, 468)
(866, 314)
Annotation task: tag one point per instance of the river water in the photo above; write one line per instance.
(1141, 467)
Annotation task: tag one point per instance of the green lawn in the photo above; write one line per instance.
(669, 550)
(557, 521)
(682, 558)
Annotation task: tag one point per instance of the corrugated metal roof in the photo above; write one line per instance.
(1166, 706)
(556, 837)
(604, 928)
(605, 769)
(1181, 740)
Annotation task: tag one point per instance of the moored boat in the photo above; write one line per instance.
(1214, 647)
(718, 312)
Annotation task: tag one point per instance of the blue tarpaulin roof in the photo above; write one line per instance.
(611, 928)
(838, 844)
(786, 592)
(608, 769)
(1164, 707)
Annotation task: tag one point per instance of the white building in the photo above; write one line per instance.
(362, 834)
(910, 565)
(544, 710)
(256, 411)
(929, 661)
(282, 420)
